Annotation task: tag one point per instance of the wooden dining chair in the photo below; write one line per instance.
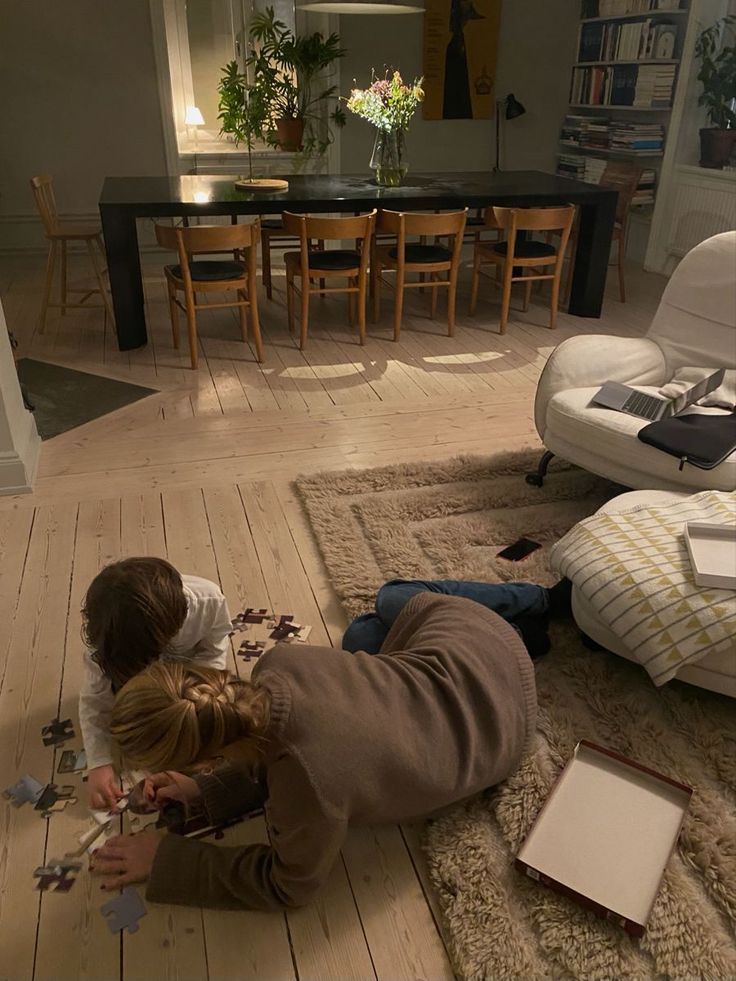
(311, 264)
(193, 276)
(522, 259)
(624, 177)
(273, 234)
(405, 258)
(59, 234)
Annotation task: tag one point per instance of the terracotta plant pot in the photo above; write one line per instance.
(290, 133)
(716, 147)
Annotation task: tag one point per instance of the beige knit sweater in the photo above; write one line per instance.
(445, 710)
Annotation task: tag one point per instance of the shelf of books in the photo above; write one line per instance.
(627, 62)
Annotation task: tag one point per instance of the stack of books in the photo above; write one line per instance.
(594, 169)
(644, 194)
(618, 8)
(591, 170)
(641, 40)
(637, 138)
(641, 86)
(571, 165)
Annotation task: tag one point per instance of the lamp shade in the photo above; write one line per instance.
(513, 107)
(361, 6)
(193, 117)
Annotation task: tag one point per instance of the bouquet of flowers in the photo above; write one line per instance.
(389, 103)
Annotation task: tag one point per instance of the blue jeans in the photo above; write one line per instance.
(510, 600)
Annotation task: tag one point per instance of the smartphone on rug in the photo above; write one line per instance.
(519, 550)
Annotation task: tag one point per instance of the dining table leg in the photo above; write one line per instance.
(124, 269)
(592, 255)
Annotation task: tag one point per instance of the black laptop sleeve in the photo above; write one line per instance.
(704, 441)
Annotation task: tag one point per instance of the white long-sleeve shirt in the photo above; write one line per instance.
(202, 638)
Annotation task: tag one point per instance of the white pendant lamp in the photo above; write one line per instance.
(361, 6)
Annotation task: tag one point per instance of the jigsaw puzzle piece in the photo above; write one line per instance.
(124, 911)
(27, 790)
(57, 732)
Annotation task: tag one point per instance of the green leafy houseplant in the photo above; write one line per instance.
(291, 70)
(244, 109)
(718, 77)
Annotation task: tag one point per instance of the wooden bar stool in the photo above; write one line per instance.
(192, 276)
(524, 254)
(311, 264)
(410, 257)
(59, 234)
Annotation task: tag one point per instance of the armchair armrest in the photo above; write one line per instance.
(592, 359)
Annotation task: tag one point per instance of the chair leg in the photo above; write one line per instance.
(50, 263)
(508, 272)
(536, 479)
(255, 321)
(290, 302)
(474, 283)
(398, 305)
(192, 329)
(451, 302)
(570, 274)
(100, 281)
(361, 295)
(174, 313)
(554, 300)
(376, 293)
(304, 319)
(63, 277)
(266, 264)
(527, 295)
(351, 312)
(433, 301)
(621, 283)
(243, 316)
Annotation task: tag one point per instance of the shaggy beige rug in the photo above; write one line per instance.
(449, 520)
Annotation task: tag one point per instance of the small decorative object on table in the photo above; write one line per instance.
(389, 104)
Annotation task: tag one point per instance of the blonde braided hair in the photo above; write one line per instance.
(174, 714)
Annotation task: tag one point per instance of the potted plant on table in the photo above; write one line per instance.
(292, 70)
(389, 105)
(718, 76)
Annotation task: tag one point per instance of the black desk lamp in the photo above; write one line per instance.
(511, 109)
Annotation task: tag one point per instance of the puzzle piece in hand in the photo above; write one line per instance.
(124, 911)
(56, 732)
(72, 761)
(26, 791)
(251, 648)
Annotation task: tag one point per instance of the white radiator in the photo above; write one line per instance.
(703, 204)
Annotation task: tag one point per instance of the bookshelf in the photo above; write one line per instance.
(622, 89)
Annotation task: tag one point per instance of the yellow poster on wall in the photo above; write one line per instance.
(460, 51)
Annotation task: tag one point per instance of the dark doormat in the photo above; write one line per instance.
(64, 398)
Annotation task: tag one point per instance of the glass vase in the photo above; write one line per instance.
(389, 157)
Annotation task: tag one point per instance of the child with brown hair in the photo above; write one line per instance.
(136, 612)
(446, 709)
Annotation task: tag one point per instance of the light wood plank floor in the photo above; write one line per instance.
(201, 472)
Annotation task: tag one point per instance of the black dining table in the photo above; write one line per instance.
(125, 199)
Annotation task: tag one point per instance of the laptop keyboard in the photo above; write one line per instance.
(641, 404)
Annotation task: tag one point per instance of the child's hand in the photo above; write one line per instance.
(171, 786)
(104, 789)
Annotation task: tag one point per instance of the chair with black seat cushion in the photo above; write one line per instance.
(418, 257)
(273, 233)
(192, 276)
(311, 264)
(521, 259)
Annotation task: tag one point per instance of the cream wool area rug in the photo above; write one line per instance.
(448, 520)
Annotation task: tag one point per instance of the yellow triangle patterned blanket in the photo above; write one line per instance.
(633, 568)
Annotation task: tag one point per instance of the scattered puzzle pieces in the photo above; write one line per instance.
(56, 733)
(55, 798)
(241, 621)
(124, 911)
(27, 790)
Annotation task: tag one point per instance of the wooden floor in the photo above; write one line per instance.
(201, 473)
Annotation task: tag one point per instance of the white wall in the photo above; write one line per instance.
(536, 49)
(80, 101)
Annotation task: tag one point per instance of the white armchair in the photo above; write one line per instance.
(695, 325)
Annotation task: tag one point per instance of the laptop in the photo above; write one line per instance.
(624, 398)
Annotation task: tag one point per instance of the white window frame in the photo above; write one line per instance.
(174, 76)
